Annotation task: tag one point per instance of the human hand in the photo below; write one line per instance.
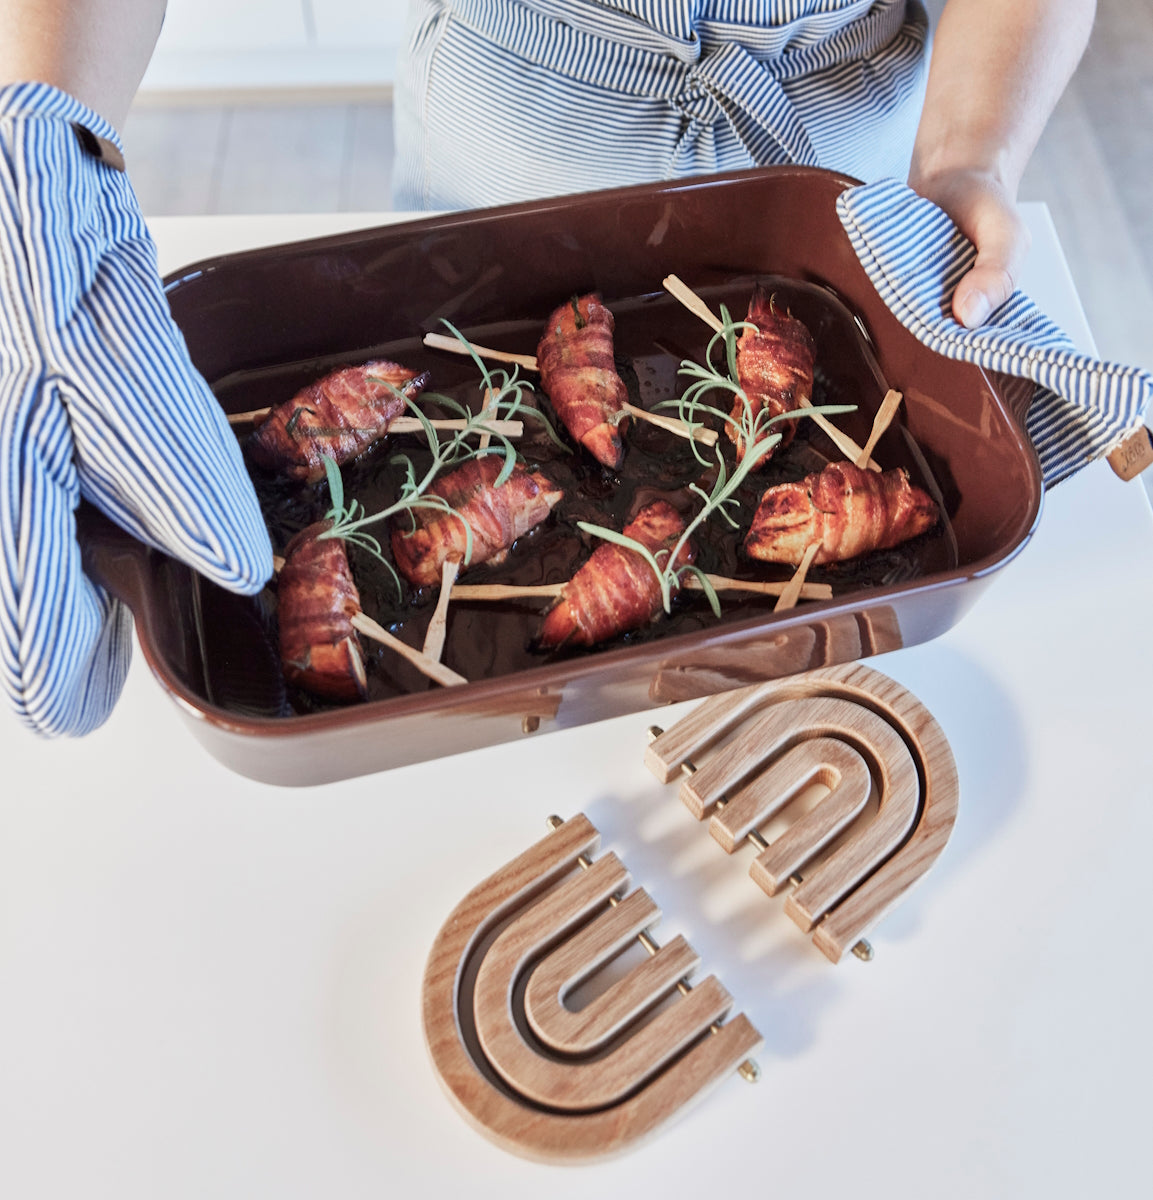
(985, 212)
(98, 399)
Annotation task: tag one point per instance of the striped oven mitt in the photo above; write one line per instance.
(98, 398)
(915, 256)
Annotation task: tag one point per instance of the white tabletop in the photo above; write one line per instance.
(209, 987)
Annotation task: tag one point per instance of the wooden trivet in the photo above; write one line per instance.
(749, 753)
(536, 1077)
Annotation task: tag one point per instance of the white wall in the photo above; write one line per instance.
(227, 44)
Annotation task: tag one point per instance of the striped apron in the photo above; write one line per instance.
(505, 100)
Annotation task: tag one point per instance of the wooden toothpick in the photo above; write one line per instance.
(881, 422)
(793, 589)
(439, 341)
(424, 663)
(685, 294)
(505, 591)
(700, 433)
(435, 671)
(510, 429)
(720, 583)
(677, 288)
(437, 628)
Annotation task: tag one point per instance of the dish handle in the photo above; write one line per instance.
(112, 558)
(1016, 393)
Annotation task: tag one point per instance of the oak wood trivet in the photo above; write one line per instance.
(535, 1076)
(888, 806)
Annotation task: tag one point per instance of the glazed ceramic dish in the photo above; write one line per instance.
(259, 325)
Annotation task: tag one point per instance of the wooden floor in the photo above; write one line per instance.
(1094, 168)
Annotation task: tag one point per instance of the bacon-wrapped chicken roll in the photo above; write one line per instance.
(616, 590)
(338, 416)
(497, 516)
(317, 599)
(579, 375)
(847, 510)
(774, 367)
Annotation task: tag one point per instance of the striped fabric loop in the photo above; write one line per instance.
(915, 256)
(98, 399)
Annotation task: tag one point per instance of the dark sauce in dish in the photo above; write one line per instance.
(653, 335)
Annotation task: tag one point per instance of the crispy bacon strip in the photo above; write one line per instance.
(319, 648)
(579, 375)
(339, 416)
(496, 515)
(845, 509)
(617, 590)
(774, 367)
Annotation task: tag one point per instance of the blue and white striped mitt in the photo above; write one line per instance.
(98, 398)
(915, 256)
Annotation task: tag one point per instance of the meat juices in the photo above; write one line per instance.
(317, 599)
(616, 590)
(338, 416)
(579, 376)
(774, 367)
(497, 516)
(847, 510)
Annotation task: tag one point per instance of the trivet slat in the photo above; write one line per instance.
(824, 761)
(587, 1085)
(737, 752)
(821, 761)
(589, 1029)
(844, 926)
(689, 738)
(511, 1083)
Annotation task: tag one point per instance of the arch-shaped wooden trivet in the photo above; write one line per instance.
(748, 753)
(536, 1077)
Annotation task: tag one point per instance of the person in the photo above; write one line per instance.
(498, 100)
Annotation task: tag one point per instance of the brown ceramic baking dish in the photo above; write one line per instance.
(262, 323)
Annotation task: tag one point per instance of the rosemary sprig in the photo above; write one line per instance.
(691, 406)
(718, 500)
(758, 439)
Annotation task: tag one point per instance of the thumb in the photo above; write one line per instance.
(1002, 242)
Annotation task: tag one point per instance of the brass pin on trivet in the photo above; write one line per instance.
(532, 1074)
(747, 754)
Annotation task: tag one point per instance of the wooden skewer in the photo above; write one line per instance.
(504, 591)
(439, 341)
(841, 440)
(436, 671)
(809, 591)
(685, 294)
(403, 424)
(881, 421)
(795, 586)
(673, 424)
(248, 418)
(489, 409)
(677, 288)
(438, 626)
(424, 663)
